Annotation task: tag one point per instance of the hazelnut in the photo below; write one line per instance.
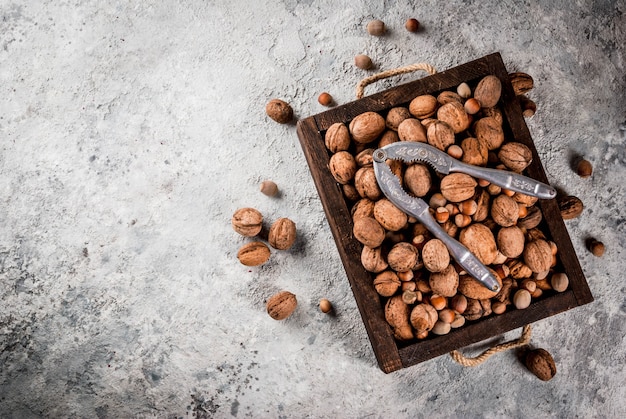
(376, 27)
(595, 247)
(281, 305)
(325, 306)
(253, 254)
(247, 221)
(441, 328)
(268, 188)
(521, 299)
(458, 303)
(279, 110)
(412, 25)
(282, 234)
(363, 62)
(540, 362)
(464, 90)
(325, 99)
(584, 168)
(455, 151)
(472, 106)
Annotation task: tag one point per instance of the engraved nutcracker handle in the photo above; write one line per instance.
(508, 180)
(460, 253)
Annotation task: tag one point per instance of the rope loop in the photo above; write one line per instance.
(394, 72)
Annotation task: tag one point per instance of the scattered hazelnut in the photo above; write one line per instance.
(325, 306)
(584, 168)
(412, 25)
(268, 188)
(376, 27)
(279, 110)
(363, 62)
(325, 99)
(595, 247)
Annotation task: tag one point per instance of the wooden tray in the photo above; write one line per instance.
(391, 354)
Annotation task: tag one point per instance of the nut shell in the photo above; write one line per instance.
(570, 206)
(389, 216)
(402, 257)
(479, 239)
(397, 314)
(423, 106)
(417, 179)
(457, 187)
(412, 130)
(368, 231)
(453, 113)
(489, 131)
(515, 156)
(247, 221)
(337, 137)
(445, 282)
(435, 255)
(473, 289)
(281, 305)
(343, 167)
(253, 254)
(282, 234)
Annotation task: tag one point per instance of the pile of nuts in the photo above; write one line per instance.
(424, 291)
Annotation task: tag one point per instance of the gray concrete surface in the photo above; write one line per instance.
(131, 131)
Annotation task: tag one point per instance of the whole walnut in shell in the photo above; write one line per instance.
(279, 110)
(479, 239)
(402, 257)
(337, 137)
(435, 255)
(453, 114)
(366, 127)
(515, 156)
(363, 208)
(423, 317)
(423, 106)
(412, 130)
(386, 283)
(474, 152)
(395, 116)
(373, 259)
(282, 234)
(457, 187)
(473, 289)
(397, 315)
(368, 231)
(247, 222)
(389, 216)
(417, 179)
(504, 210)
(281, 305)
(440, 135)
(342, 166)
(538, 255)
(489, 131)
(253, 254)
(444, 282)
(488, 91)
(366, 183)
(511, 241)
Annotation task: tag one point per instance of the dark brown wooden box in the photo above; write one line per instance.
(393, 355)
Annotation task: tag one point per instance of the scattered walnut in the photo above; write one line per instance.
(282, 234)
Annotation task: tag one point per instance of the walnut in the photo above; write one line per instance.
(521, 82)
(504, 210)
(368, 231)
(373, 259)
(480, 241)
(540, 362)
(282, 234)
(511, 241)
(247, 222)
(440, 135)
(423, 317)
(365, 157)
(397, 314)
(279, 110)
(453, 113)
(363, 208)
(538, 255)
(457, 187)
(395, 116)
(533, 218)
(488, 91)
(448, 96)
(489, 131)
(417, 179)
(474, 310)
(281, 305)
(471, 288)
(423, 106)
(389, 216)
(482, 207)
(388, 137)
(526, 200)
(253, 254)
(342, 166)
(386, 283)
(402, 257)
(445, 282)
(337, 137)
(518, 269)
(474, 152)
(515, 156)
(570, 206)
(412, 130)
(366, 127)
(366, 183)
(435, 255)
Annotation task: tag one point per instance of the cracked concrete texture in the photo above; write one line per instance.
(132, 131)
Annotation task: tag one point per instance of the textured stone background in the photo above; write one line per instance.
(131, 131)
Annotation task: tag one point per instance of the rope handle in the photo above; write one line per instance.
(523, 340)
(394, 72)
